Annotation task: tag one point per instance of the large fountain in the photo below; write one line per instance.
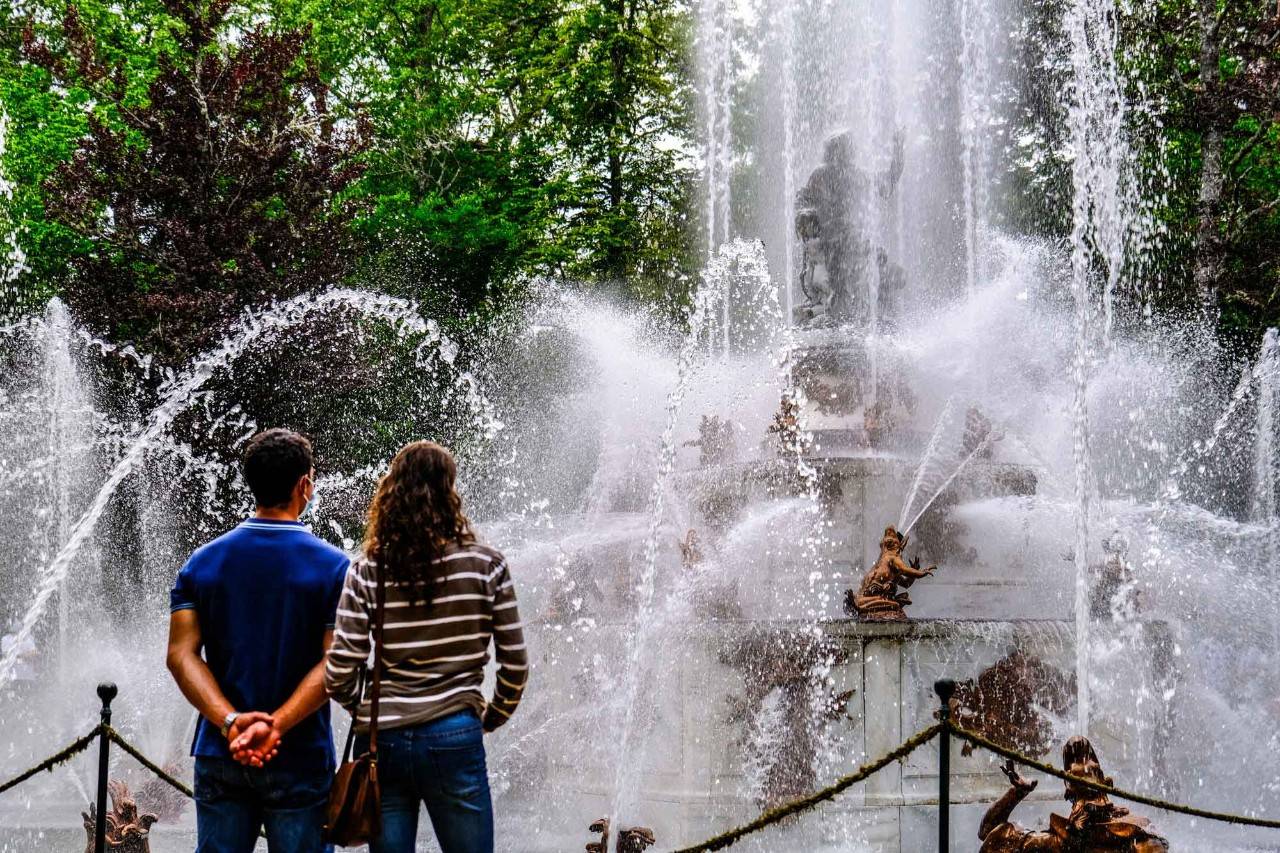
(697, 517)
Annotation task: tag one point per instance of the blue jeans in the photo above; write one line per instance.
(439, 763)
(234, 802)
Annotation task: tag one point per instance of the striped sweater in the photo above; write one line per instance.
(436, 653)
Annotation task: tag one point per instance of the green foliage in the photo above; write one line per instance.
(511, 139)
(505, 140)
(1236, 100)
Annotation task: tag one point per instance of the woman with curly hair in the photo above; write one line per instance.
(446, 598)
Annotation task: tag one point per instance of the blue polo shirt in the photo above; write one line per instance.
(265, 593)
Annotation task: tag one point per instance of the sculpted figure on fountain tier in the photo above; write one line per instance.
(634, 840)
(878, 598)
(128, 827)
(1095, 824)
(832, 212)
(716, 442)
(1114, 596)
(786, 426)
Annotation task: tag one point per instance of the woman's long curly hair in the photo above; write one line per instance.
(415, 516)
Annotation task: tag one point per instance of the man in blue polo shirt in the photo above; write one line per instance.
(260, 602)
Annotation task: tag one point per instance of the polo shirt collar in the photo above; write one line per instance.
(255, 523)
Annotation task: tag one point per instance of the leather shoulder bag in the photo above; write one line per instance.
(354, 816)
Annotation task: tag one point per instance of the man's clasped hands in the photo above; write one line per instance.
(254, 738)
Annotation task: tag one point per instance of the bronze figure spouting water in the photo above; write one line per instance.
(878, 598)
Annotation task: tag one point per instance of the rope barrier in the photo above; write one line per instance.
(1222, 817)
(118, 740)
(73, 749)
(768, 818)
(782, 812)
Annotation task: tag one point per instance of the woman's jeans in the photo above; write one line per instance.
(439, 763)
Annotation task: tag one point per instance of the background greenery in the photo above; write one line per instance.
(173, 161)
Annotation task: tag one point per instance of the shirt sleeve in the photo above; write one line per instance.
(183, 594)
(351, 644)
(509, 649)
(334, 594)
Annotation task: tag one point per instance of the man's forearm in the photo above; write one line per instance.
(200, 687)
(307, 698)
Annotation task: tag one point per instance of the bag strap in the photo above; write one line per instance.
(361, 674)
(377, 661)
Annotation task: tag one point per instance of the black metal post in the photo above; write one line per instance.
(945, 689)
(106, 692)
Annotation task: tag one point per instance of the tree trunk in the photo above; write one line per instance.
(1209, 259)
(615, 259)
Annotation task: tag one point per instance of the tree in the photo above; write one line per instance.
(512, 140)
(217, 186)
(627, 107)
(1214, 68)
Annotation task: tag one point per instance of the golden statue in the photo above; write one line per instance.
(878, 599)
(1095, 824)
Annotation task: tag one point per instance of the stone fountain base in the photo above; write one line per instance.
(701, 773)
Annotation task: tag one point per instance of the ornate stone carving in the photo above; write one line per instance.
(1006, 703)
(785, 671)
(128, 829)
(711, 599)
(1114, 592)
(716, 441)
(786, 426)
(939, 534)
(978, 435)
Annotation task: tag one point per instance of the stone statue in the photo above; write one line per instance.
(1011, 703)
(786, 426)
(1095, 825)
(978, 436)
(127, 828)
(690, 550)
(837, 249)
(787, 703)
(573, 583)
(716, 441)
(1114, 593)
(163, 800)
(878, 599)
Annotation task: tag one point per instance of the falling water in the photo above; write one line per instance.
(787, 36)
(975, 127)
(932, 451)
(1097, 116)
(716, 64)
(67, 430)
(641, 640)
(1264, 453)
(435, 350)
(1264, 466)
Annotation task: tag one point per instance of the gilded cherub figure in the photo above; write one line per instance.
(1095, 824)
(878, 598)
